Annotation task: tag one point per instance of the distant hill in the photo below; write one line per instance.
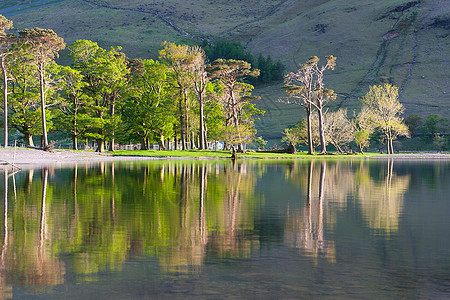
(405, 42)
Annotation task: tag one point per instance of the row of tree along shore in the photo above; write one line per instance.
(183, 98)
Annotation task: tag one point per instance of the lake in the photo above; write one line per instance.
(255, 229)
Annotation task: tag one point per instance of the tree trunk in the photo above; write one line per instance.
(323, 146)
(391, 145)
(111, 143)
(100, 146)
(309, 130)
(182, 125)
(161, 143)
(5, 101)
(42, 94)
(74, 142)
(143, 144)
(29, 139)
(202, 142)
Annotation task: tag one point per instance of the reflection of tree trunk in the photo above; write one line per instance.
(310, 175)
(202, 216)
(390, 171)
(5, 221)
(29, 180)
(76, 209)
(321, 199)
(183, 195)
(42, 231)
(113, 200)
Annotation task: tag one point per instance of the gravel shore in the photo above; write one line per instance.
(26, 158)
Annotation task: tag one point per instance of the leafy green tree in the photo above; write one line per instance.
(364, 128)
(74, 103)
(385, 109)
(431, 127)
(106, 74)
(23, 100)
(260, 143)
(6, 42)
(362, 138)
(413, 122)
(149, 110)
(44, 47)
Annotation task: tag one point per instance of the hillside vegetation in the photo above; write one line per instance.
(404, 42)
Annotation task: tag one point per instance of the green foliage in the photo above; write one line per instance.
(260, 142)
(362, 139)
(269, 71)
(296, 135)
(384, 110)
(413, 122)
(149, 111)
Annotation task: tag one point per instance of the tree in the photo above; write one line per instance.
(413, 122)
(294, 136)
(200, 81)
(306, 88)
(384, 109)
(6, 42)
(23, 100)
(74, 102)
(229, 72)
(364, 128)
(106, 74)
(237, 106)
(322, 95)
(338, 129)
(430, 128)
(149, 111)
(44, 46)
(180, 59)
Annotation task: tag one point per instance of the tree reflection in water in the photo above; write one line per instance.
(27, 256)
(305, 227)
(381, 201)
(329, 189)
(93, 218)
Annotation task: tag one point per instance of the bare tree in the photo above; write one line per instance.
(306, 88)
(200, 80)
(338, 129)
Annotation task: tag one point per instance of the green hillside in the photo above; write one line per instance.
(399, 41)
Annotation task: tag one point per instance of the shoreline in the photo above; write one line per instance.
(25, 158)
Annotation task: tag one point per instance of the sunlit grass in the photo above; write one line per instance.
(227, 154)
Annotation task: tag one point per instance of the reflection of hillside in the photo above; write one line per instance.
(382, 202)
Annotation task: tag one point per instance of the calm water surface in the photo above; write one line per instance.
(216, 230)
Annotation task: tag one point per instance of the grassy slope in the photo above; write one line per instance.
(289, 30)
